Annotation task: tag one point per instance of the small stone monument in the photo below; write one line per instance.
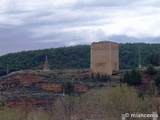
(46, 65)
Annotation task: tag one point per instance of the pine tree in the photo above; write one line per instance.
(132, 77)
(151, 70)
(98, 77)
(126, 77)
(92, 76)
(157, 81)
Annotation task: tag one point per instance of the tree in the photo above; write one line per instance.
(157, 81)
(105, 77)
(98, 76)
(68, 87)
(92, 76)
(132, 77)
(126, 77)
(135, 77)
(2, 73)
(155, 59)
(151, 70)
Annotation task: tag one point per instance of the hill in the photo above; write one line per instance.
(78, 57)
(74, 57)
(34, 87)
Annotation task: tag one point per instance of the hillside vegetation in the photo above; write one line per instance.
(77, 57)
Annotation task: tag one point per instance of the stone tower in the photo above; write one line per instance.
(46, 65)
(104, 57)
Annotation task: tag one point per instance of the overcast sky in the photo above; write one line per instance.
(38, 24)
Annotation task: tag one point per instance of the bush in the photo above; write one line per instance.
(151, 70)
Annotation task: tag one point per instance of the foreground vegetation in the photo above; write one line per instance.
(95, 104)
(77, 57)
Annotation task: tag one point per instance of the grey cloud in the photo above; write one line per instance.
(64, 19)
(129, 39)
(16, 39)
(25, 46)
(86, 4)
(20, 42)
(12, 34)
(102, 3)
(61, 24)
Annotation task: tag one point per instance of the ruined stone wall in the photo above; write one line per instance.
(104, 57)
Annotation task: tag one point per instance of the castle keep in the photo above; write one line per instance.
(104, 57)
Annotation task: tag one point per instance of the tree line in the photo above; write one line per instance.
(133, 77)
(74, 57)
(77, 57)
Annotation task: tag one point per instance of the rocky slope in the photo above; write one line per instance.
(39, 88)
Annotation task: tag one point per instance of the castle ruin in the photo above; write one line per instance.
(104, 57)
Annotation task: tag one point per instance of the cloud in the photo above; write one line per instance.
(128, 39)
(42, 24)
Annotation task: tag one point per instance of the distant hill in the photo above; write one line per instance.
(74, 57)
(77, 57)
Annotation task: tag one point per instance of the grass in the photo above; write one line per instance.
(11, 114)
(17, 114)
